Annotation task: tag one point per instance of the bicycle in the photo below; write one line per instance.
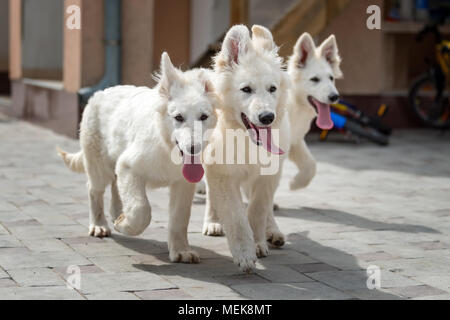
(429, 95)
(352, 121)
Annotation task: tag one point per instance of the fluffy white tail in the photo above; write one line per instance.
(73, 161)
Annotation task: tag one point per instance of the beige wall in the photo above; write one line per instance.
(84, 48)
(137, 42)
(172, 31)
(361, 49)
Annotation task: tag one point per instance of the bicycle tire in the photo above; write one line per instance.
(422, 81)
(368, 133)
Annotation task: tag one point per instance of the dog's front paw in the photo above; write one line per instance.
(99, 231)
(262, 250)
(200, 188)
(123, 225)
(275, 238)
(188, 256)
(246, 259)
(213, 229)
(300, 181)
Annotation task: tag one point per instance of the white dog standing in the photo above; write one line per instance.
(253, 89)
(129, 138)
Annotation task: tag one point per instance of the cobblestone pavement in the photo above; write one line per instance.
(368, 206)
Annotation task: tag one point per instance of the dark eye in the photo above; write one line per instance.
(331, 78)
(179, 118)
(272, 89)
(204, 117)
(315, 80)
(247, 90)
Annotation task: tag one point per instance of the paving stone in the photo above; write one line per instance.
(290, 291)
(65, 272)
(354, 280)
(12, 258)
(39, 293)
(375, 294)
(11, 216)
(3, 274)
(7, 282)
(46, 245)
(312, 267)
(417, 291)
(115, 264)
(445, 297)
(9, 241)
(36, 277)
(438, 281)
(113, 296)
(283, 274)
(129, 281)
(241, 279)
(431, 245)
(171, 294)
(376, 256)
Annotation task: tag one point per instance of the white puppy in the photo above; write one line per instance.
(253, 90)
(129, 138)
(312, 71)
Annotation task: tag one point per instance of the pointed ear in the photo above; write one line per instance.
(329, 50)
(235, 45)
(206, 82)
(304, 49)
(169, 75)
(263, 37)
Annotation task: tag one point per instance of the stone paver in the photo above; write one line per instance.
(368, 206)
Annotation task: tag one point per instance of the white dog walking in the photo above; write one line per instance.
(253, 90)
(129, 138)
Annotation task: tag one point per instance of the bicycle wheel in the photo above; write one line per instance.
(429, 102)
(367, 132)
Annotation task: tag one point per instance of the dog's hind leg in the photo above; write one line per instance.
(97, 182)
(98, 226)
(137, 211)
(211, 224)
(305, 162)
(116, 204)
(181, 195)
(273, 234)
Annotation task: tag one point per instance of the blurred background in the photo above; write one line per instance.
(48, 71)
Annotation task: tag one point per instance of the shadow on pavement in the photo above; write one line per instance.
(348, 219)
(220, 269)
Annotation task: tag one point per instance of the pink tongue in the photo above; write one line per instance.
(324, 121)
(192, 169)
(265, 136)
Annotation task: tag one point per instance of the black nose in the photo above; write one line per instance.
(266, 118)
(195, 148)
(333, 97)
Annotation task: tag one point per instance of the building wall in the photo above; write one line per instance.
(361, 49)
(4, 35)
(210, 20)
(172, 32)
(137, 42)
